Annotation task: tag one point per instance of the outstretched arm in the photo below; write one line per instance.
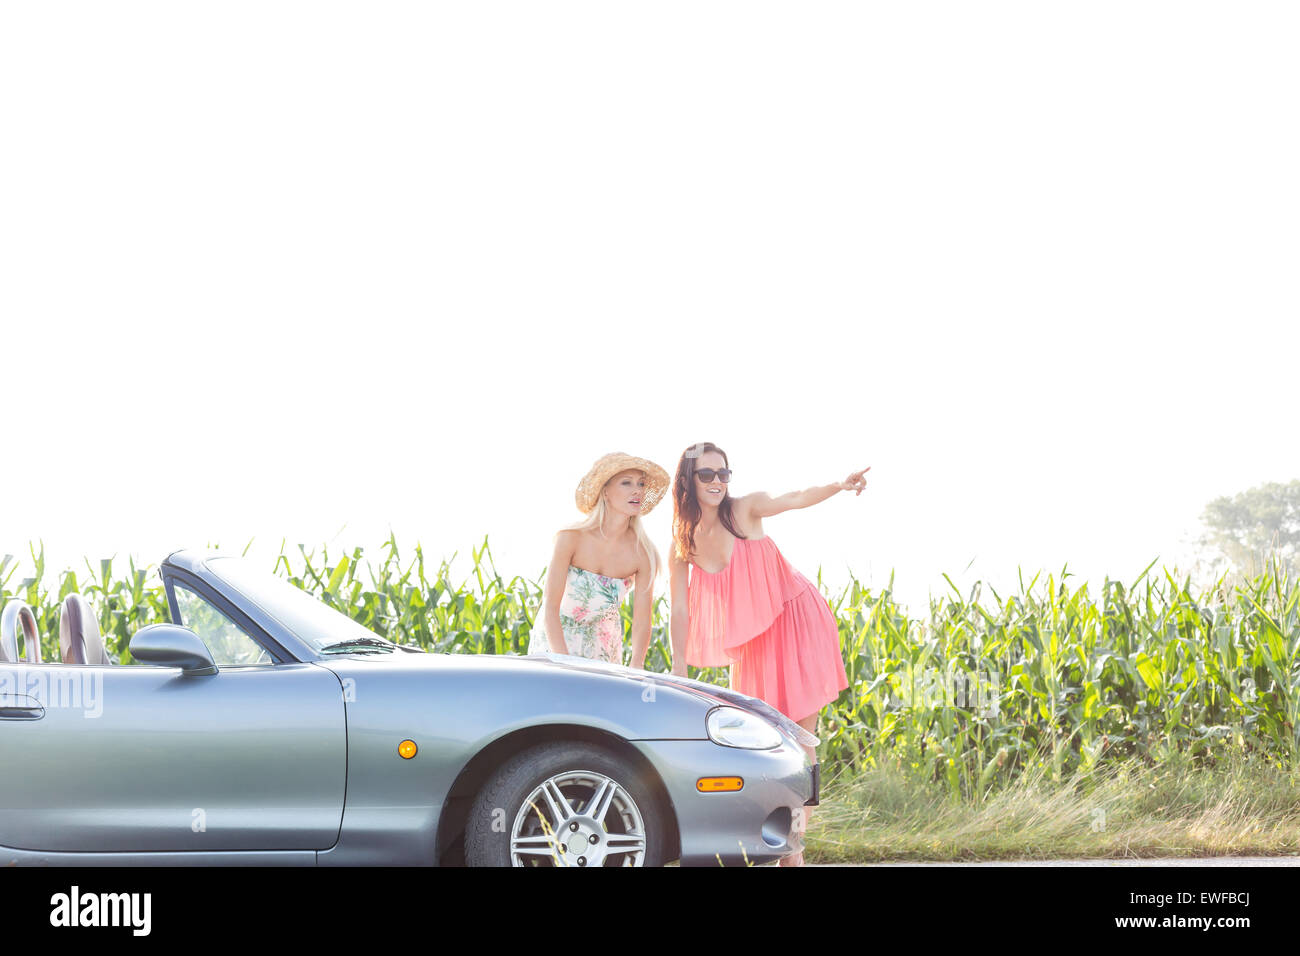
(763, 505)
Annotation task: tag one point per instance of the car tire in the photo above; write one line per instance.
(548, 791)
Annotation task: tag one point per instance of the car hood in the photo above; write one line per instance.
(699, 688)
(711, 693)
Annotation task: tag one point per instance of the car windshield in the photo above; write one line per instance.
(312, 621)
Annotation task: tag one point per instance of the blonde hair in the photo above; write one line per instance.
(595, 521)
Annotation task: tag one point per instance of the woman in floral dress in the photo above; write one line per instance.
(596, 562)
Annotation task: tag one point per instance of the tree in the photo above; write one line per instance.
(1249, 526)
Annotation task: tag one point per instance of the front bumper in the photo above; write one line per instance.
(761, 822)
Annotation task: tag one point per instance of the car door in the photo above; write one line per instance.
(142, 758)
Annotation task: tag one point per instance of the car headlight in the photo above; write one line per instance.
(733, 727)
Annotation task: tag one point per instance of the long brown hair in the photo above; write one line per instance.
(686, 503)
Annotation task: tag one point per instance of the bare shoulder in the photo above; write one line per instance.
(566, 541)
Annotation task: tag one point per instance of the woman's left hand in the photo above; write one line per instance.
(856, 482)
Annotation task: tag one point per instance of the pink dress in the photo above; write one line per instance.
(771, 624)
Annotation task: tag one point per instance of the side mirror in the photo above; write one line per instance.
(171, 646)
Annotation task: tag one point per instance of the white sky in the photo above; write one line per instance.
(269, 270)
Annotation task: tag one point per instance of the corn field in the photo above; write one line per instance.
(978, 691)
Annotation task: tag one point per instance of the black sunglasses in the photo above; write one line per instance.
(707, 474)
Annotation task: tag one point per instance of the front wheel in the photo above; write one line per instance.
(566, 804)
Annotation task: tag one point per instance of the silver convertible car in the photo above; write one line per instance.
(264, 727)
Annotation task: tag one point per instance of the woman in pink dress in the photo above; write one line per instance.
(736, 600)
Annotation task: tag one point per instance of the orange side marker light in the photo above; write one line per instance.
(719, 784)
(407, 749)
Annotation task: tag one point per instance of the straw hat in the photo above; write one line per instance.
(607, 466)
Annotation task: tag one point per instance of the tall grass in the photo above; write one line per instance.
(1050, 680)
(1242, 806)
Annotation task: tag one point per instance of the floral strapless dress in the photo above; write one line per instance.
(590, 616)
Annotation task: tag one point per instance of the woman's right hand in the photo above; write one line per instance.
(679, 670)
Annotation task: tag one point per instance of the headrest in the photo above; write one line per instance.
(17, 614)
(79, 638)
